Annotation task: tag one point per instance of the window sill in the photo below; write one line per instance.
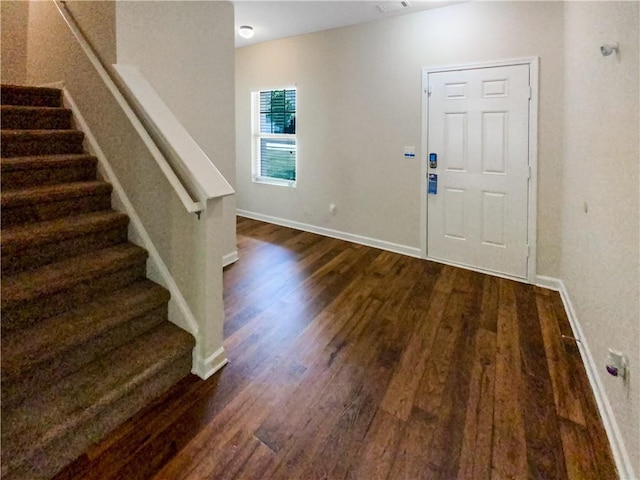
(275, 181)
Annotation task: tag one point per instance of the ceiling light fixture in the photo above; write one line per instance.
(245, 31)
(393, 6)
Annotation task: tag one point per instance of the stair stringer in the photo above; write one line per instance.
(179, 312)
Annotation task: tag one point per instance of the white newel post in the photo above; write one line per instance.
(209, 354)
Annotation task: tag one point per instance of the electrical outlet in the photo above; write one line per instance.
(332, 209)
(617, 364)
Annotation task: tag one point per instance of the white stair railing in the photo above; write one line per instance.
(199, 186)
(189, 160)
(200, 172)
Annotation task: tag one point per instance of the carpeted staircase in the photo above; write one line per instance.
(85, 337)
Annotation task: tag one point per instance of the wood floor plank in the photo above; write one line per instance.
(445, 449)
(267, 286)
(346, 399)
(411, 454)
(278, 427)
(348, 362)
(332, 458)
(578, 453)
(475, 457)
(544, 446)
(566, 398)
(399, 397)
(242, 414)
(509, 449)
(428, 437)
(489, 309)
(374, 458)
(439, 355)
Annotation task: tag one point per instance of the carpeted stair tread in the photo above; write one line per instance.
(59, 276)
(12, 164)
(53, 193)
(69, 406)
(35, 244)
(131, 324)
(54, 336)
(47, 202)
(21, 143)
(30, 96)
(18, 117)
(25, 172)
(16, 238)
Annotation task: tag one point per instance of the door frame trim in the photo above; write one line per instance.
(533, 63)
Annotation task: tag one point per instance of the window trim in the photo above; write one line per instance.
(256, 135)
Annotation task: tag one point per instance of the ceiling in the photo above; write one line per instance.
(278, 19)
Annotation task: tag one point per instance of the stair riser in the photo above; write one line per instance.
(12, 180)
(32, 310)
(16, 390)
(46, 462)
(16, 259)
(31, 98)
(39, 212)
(36, 120)
(41, 145)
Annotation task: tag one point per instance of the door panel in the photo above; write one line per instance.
(478, 125)
(454, 222)
(493, 218)
(494, 142)
(455, 141)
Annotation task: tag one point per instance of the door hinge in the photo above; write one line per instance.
(528, 250)
(429, 90)
(528, 173)
(530, 92)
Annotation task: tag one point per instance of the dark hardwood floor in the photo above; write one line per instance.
(348, 362)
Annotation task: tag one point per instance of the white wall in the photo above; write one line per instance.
(359, 101)
(600, 248)
(14, 18)
(186, 52)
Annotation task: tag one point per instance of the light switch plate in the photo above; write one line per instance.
(409, 152)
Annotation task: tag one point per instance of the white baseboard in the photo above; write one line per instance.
(327, 232)
(205, 367)
(548, 282)
(229, 258)
(618, 448)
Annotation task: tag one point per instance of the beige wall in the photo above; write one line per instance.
(14, 18)
(359, 99)
(600, 248)
(97, 19)
(185, 50)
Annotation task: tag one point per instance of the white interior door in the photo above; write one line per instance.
(478, 125)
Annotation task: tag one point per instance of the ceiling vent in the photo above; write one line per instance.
(388, 7)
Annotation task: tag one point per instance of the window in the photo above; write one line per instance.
(274, 136)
